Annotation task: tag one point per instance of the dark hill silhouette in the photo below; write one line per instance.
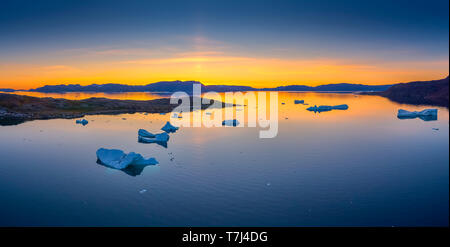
(186, 86)
(420, 92)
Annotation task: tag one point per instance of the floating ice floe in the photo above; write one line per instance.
(162, 113)
(340, 107)
(426, 115)
(163, 137)
(82, 121)
(144, 133)
(233, 122)
(117, 159)
(169, 128)
(327, 108)
(299, 101)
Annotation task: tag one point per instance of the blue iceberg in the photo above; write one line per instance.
(233, 122)
(425, 115)
(163, 137)
(323, 108)
(82, 121)
(299, 101)
(169, 128)
(117, 159)
(146, 134)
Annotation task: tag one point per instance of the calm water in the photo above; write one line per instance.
(360, 167)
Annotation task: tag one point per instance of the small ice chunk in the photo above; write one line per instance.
(340, 107)
(162, 113)
(322, 108)
(82, 121)
(117, 159)
(142, 191)
(169, 128)
(426, 115)
(299, 101)
(163, 137)
(144, 133)
(233, 122)
(406, 114)
(319, 108)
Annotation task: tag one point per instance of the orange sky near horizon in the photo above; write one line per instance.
(211, 67)
(220, 70)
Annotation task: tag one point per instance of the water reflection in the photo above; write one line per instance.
(132, 170)
(358, 167)
(160, 143)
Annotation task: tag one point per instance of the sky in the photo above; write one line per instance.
(256, 43)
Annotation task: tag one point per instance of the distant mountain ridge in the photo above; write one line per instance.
(7, 90)
(186, 86)
(434, 92)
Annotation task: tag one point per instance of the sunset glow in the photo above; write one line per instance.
(193, 43)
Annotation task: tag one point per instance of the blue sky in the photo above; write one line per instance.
(373, 33)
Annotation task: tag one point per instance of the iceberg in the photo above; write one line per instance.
(82, 121)
(146, 134)
(299, 101)
(340, 107)
(426, 115)
(117, 159)
(169, 128)
(163, 137)
(322, 108)
(233, 122)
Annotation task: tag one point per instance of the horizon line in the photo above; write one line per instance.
(211, 84)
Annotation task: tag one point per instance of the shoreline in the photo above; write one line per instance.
(16, 109)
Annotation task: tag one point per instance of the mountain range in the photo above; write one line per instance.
(434, 92)
(186, 86)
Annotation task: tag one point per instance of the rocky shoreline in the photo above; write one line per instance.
(15, 109)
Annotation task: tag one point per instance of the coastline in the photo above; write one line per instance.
(16, 109)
